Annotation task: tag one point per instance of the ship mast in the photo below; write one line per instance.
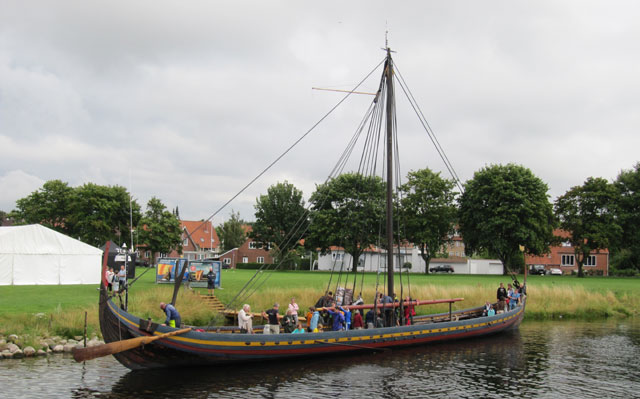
(390, 120)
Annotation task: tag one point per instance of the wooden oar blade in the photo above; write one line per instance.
(93, 352)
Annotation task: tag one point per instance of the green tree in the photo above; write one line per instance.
(281, 219)
(102, 213)
(628, 212)
(347, 211)
(428, 211)
(588, 214)
(3, 217)
(232, 232)
(160, 231)
(503, 207)
(49, 206)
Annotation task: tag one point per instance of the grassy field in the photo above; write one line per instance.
(59, 310)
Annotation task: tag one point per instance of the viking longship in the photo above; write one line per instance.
(138, 343)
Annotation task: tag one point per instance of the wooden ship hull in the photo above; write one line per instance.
(219, 348)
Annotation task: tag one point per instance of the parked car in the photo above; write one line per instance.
(555, 271)
(441, 269)
(537, 269)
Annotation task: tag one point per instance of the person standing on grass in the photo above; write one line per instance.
(211, 281)
(122, 278)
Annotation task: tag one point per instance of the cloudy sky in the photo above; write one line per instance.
(188, 101)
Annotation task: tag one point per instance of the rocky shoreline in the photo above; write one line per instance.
(14, 347)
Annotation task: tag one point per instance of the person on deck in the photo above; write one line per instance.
(359, 301)
(288, 323)
(501, 294)
(211, 281)
(308, 316)
(299, 329)
(313, 321)
(347, 318)
(370, 318)
(338, 319)
(357, 321)
(485, 310)
(245, 321)
(515, 299)
(293, 307)
(509, 295)
(173, 317)
(387, 302)
(273, 327)
(109, 276)
(409, 311)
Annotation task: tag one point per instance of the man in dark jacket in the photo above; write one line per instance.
(502, 297)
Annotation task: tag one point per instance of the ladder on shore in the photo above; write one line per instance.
(212, 302)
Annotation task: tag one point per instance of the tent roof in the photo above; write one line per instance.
(37, 239)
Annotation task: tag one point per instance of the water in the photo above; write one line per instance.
(541, 360)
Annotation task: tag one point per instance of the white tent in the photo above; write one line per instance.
(36, 255)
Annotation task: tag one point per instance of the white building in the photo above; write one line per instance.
(375, 259)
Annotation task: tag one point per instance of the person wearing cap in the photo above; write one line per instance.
(173, 317)
(272, 326)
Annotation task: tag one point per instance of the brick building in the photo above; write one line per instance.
(563, 257)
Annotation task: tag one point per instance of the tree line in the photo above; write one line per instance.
(503, 212)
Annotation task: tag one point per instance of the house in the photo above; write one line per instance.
(563, 257)
(249, 252)
(199, 240)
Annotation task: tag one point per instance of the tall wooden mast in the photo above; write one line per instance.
(390, 120)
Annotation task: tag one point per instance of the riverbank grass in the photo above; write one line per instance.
(43, 311)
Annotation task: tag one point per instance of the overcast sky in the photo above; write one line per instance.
(188, 101)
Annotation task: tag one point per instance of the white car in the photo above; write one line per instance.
(555, 271)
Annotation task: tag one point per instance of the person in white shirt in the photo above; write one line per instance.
(244, 319)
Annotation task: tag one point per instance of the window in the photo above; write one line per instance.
(147, 254)
(260, 259)
(590, 260)
(226, 261)
(337, 256)
(185, 242)
(253, 245)
(566, 244)
(202, 240)
(567, 260)
(245, 259)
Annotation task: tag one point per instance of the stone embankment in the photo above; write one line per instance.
(14, 347)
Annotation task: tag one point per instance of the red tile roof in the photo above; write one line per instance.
(201, 233)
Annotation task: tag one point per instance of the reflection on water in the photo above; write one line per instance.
(542, 359)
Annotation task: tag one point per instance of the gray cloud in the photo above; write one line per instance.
(189, 101)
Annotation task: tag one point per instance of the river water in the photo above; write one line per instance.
(540, 360)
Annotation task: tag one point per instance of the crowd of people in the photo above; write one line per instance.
(507, 299)
(327, 315)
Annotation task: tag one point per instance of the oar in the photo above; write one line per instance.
(92, 352)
